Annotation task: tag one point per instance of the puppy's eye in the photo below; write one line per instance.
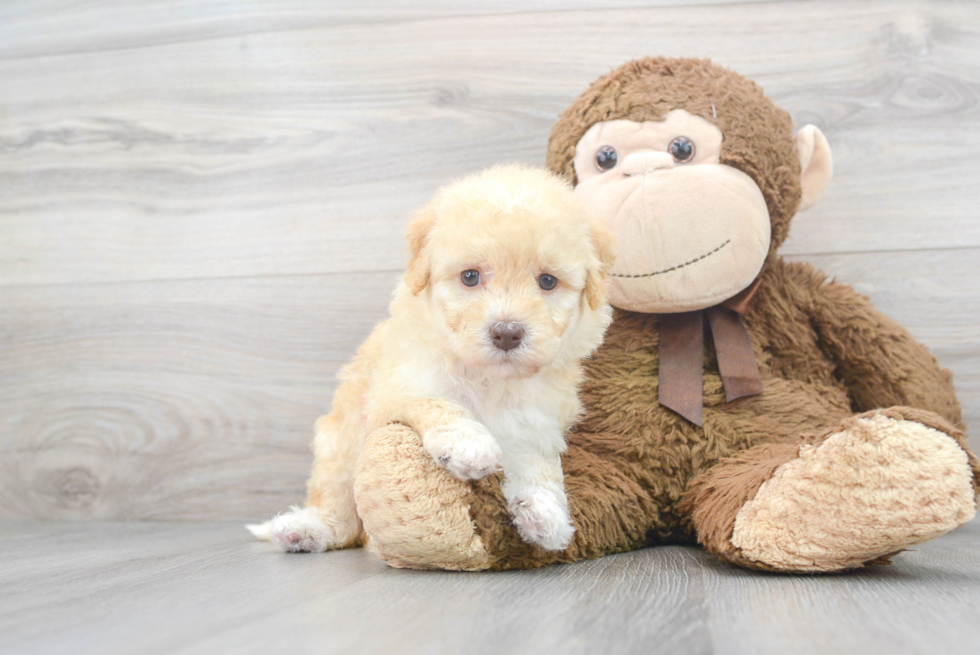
(681, 149)
(547, 282)
(470, 277)
(606, 158)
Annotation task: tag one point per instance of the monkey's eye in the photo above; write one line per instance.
(606, 158)
(548, 282)
(681, 149)
(470, 277)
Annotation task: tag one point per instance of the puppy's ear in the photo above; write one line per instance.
(417, 274)
(604, 250)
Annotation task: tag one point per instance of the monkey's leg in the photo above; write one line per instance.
(880, 482)
(417, 515)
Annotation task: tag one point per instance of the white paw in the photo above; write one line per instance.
(465, 448)
(302, 530)
(541, 518)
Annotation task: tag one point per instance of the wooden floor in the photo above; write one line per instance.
(148, 588)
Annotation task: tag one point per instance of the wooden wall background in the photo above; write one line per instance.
(201, 203)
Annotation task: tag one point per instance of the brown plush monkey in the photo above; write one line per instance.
(740, 401)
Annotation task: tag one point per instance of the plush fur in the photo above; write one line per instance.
(433, 364)
(637, 474)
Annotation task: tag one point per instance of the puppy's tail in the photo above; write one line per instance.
(262, 531)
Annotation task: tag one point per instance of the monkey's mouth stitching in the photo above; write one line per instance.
(674, 268)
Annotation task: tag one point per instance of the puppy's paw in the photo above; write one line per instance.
(465, 448)
(302, 530)
(541, 517)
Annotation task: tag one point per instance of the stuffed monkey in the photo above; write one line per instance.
(739, 401)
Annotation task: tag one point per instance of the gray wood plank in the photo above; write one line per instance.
(195, 399)
(258, 154)
(190, 398)
(923, 603)
(42, 28)
(202, 588)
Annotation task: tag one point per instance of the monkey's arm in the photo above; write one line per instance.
(879, 361)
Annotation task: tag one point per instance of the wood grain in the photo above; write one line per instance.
(202, 204)
(157, 400)
(195, 398)
(157, 588)
(71, 27)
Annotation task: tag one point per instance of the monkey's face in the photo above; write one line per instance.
(692, 232)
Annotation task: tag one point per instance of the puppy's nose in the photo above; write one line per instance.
(506, 336)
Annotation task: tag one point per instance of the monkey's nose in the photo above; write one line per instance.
(506, 336)
(646, 162)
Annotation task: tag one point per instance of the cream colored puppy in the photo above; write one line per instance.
(503, 296)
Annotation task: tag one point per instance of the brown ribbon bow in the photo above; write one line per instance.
(682, 355)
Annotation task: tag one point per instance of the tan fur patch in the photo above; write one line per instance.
(416, 514)
(717, 495)
(878, 485)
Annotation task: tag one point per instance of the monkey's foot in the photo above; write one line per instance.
(879, 484)
(415, 513)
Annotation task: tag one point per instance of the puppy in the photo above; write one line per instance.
(503, 296)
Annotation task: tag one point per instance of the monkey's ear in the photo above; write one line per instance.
(604, 248)
(417, 274)
(816, 163)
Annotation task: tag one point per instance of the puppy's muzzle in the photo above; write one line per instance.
(506, 336)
